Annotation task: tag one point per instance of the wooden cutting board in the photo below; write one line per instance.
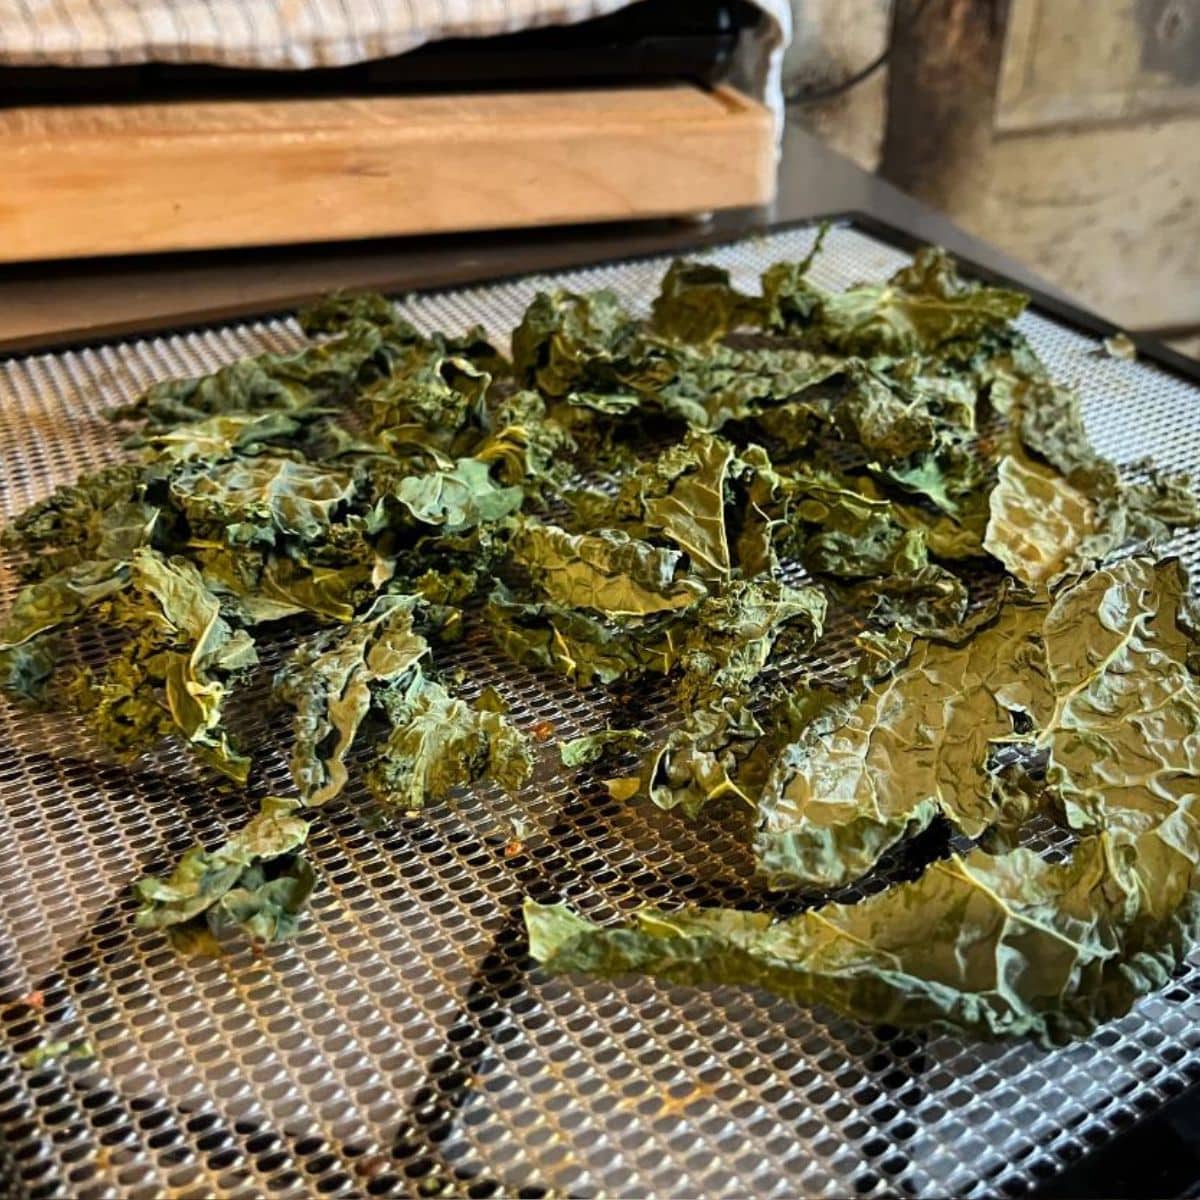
(116, 179)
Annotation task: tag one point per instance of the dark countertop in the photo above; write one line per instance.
(91, 299)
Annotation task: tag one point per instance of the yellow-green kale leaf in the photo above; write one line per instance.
(1038, 522)
(459, 498)
(255, 882)
(914, 747)
(607, 572)
(592, 747)
(996, 945)
(691, 510)
(1002, 944)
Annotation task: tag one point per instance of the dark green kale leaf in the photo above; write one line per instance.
(843, 530)
(260, 586)
(524, 445)
(68, 526)
(711, 386)
(584, 647)
(438, 742)
(720, 652)
(712, 505)
(889, 423)
(698, 303)
(175, 674)
(568, 343)
(1050, 954)
(919, 309)
(60, 600)
(319, 374)
(255, 882)
(339, 311)
(26, 670)
(332, 681)
(426, 406)
(227, 435)
(733, 634)
(927, 601)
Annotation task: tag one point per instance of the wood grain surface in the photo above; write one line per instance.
(95, 180)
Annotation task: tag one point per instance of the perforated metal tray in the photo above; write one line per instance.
(402, 1044)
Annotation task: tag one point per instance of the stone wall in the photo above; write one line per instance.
(1065, 131)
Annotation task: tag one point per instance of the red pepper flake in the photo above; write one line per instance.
(372, 1166)
(34, 1000)
(543, 730)
(513, 848)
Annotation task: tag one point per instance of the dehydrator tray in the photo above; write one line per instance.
(404, 1043)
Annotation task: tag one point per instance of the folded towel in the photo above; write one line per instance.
(307, 33)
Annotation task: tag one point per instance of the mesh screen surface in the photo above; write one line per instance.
(402, 1043)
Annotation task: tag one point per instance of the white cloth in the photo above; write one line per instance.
(296, 34)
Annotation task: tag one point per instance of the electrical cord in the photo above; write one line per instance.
(803, 95)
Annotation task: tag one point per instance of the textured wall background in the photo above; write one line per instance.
(1065, 131)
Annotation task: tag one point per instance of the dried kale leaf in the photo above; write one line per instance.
(255, 882)
(919, 309)
(261, 499)
(999, 944)
(584, 647)
(331, 682)
(592, 747)
(438, 743)
(318, 374)
(567, 343)
(733, 634)
(699, 762)
(69, 526)
(60, 600)
(690, 509)
(459, 498)
(1038, 522)
(607, 572)
(682, 496)
(1037, 527)
(177, 672)
(709, 387)
(913, 748)
(698, 303)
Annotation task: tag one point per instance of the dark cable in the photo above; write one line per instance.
(802, 95)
